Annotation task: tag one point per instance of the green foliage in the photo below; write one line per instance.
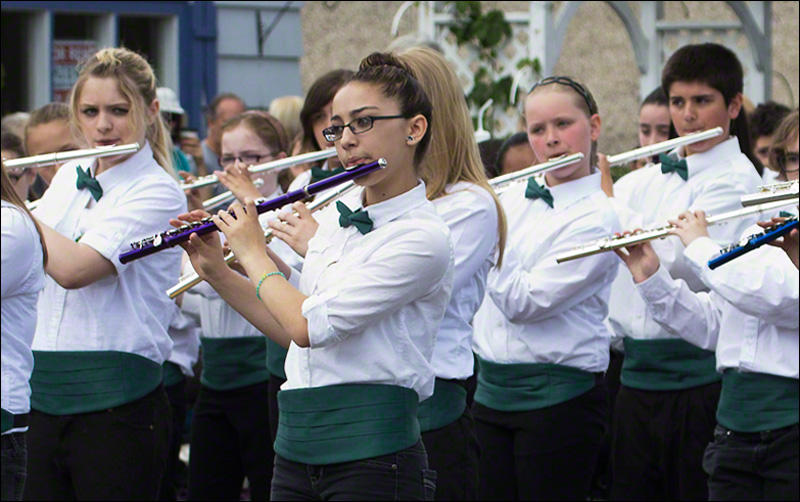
(488, 33)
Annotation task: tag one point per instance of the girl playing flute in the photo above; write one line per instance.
(361, 327)
(540, 406)
(100, 419)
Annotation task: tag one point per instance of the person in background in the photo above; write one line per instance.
(20, 179)
(763, 122)
(15, 123)
(287, 110)
(221, 109)
(515, 154)
(489, 150)
(173, 113)
(48, 131)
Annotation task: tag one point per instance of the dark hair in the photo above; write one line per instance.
(211, 109)
(12, 142)
(397, 81)
(657, 97)
(516, 139)
(765, 119)
(719, 68)
(320, 94)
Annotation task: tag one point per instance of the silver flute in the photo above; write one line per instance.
(502, 183)
(48, 159)
(664, 146)
(275, 165)
(772, 193)
(192, 279)
(611, 243)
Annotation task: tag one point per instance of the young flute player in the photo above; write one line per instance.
(361, 327)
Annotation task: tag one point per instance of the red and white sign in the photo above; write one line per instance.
(66, 56)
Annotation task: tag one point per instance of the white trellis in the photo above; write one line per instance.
(540, 32)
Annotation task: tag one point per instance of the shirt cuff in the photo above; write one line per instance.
(320, 331)
(699, 252)
(657, 286)
(107, 243)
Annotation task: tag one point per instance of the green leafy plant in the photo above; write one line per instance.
(487, 33)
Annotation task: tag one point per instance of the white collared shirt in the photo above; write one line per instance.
(375, 301)
(647, 199)
(185, 333)
(750, 317)
(539, 311)
(471, 214)
(22, 278)
(127, 311)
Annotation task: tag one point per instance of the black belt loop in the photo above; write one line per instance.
(21, 420)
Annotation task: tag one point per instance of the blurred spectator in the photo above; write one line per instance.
(221, 109)
(515, 154)
(15, 123)
(173, 113)
(48, 131)
(489, 150)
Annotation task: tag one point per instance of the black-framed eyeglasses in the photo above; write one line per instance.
(789, 161)
(358, 125)
(570, 83)
(249, 159)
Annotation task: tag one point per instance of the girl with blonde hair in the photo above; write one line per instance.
(100, 417)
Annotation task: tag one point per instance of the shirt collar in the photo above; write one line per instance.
(699, 162)
(567, 193)
(126, 170)
(391, 209)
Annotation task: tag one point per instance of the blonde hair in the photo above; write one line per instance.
(287, 110)
(453, 155)
(137, 83)
(788, 131)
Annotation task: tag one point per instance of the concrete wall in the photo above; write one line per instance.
(596, 50)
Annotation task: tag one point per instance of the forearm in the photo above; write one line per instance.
(280, 298)
(71, 264)
(240, 294)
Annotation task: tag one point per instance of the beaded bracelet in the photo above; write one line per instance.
(266, 274)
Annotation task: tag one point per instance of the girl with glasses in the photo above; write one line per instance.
(360, 322)
(100, 423)
(540, 405)
(230, 437)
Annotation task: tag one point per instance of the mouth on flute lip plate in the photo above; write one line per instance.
(106, 142)
(557, 156)
(351, 163)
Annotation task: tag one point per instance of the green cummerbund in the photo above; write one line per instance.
(276, 358)
(667, 364)
(232, 363)
(758, 402)
(529, 386)
(172, 374)
(344, 423)
(445, 406)
(66, 383)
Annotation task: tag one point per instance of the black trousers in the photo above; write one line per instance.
(659, 441)
(398, 476)
(453, 453)
(176, 394)
(114, 454)
(753, 466)
(546, 454)
(230, 439)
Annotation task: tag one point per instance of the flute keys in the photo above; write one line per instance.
(158, 240)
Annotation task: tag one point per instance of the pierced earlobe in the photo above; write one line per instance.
(410, 138)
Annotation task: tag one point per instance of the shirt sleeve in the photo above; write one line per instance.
(18, 250)
(549, 289)
(695, 317)
(402, 270)
(763, 283)
(473, 230)
(143, 212)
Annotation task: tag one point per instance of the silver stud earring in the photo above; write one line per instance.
(410, 138)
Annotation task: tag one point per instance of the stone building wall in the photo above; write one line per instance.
(596, 50)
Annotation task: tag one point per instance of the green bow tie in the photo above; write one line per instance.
(360, 219)
(536, 191)
(319, 174)
(785, 214)
(85, 180)
(668, 165)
